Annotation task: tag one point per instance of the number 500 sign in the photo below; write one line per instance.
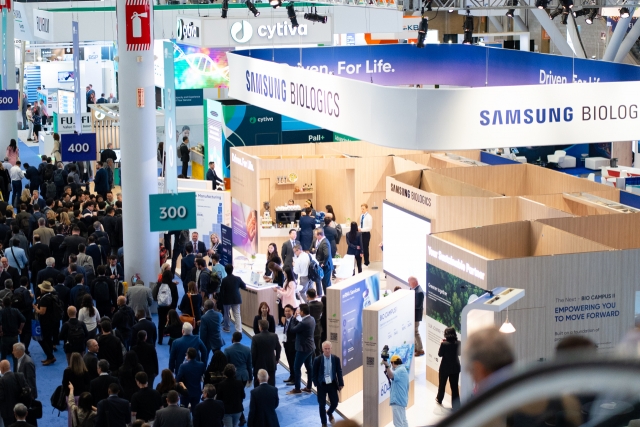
(172, 211)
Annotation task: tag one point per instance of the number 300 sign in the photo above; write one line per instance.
(172, 211)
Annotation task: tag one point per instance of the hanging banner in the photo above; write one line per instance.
(171, 157)
(76, 148)
(138, 25)
(4, 49)
(77, 101)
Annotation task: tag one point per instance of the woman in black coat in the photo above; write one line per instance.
(127, 374)
(354, 245)
(231, 393)
(449, 367)
(307, 224)
(264, 312)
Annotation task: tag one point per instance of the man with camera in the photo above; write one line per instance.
(398, 376)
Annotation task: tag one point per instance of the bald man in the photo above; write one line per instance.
(11, 385)
(413, 284)
(123, 320)
(74, 334)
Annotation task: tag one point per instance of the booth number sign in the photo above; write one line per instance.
(172, 211)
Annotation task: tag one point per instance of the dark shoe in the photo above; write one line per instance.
(288, 380)
(242, 420)
(294, 391)
(419, 353)
(331, 419)
(226, 330)
(48, 362)
(55, 348)
(324, 425)
(307, 390)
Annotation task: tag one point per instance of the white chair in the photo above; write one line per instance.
(560, 157)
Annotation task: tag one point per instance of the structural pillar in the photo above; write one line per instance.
(8, 119)
(496, 23)
(137, 138)
(627, 43)
(618, 35)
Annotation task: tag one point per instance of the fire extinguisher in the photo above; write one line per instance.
(137, 23)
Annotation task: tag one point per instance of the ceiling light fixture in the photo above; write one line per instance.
(291, 13)
(225, 8)
(252, 8)
(624, 12)
(314, 17)
(507, 327)
(422, 32)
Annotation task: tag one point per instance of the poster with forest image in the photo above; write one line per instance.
(446, 296)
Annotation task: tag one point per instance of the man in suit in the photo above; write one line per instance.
(303, 326)
(198, 246)
(139, 298)
(114, 270)
(209, 412)
(190, 374)
(315, 309)
(265, 352)
(144, 324)
(327, 374)
(38, 254)
(145, 402)
(419, 294)
(147, 356)
(70, 243)
(91, 359)
(21, 414)
(287, 248)
(24, 365)
(239, 355)
(31, 173)
(323, 256)
(101, 179)
(211, 175)
(180, 346)
(263, 404)
(55, 243)
(173, 415)
(45, 233)
(113, 411)
(187, 263)
(99, 387)
(184, 156)
(231, 298)
(110, 346)
(11, 385)
(211, 329)
(96, 252)
(289, 341)
(13, 272)
(103, 291)
(49, 273)
(110, 225)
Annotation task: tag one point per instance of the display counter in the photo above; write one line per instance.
(45, 143)
(197, 164)
(251, 299)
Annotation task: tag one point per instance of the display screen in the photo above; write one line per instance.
(404, 235)
(65, 76)
(200, 67)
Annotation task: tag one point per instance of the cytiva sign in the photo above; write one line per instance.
(43, 24)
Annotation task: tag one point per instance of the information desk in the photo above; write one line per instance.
(251, 299)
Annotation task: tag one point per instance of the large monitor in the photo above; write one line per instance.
(65, 77)
(404, 235)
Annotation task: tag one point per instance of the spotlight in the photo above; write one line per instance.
(511, 12)
(556, 12)
(429, 9)
(225, 8)
(591, 17)
(468, 28)
(450, 11)
(542, 4)
(291, 13)
(624, 12)
(314, 17)
(565, 17)
(275, 3)
(422, 32)
(252, 8)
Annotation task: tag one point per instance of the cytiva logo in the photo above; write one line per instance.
(253, 120)
(241, 31)
(281, 29)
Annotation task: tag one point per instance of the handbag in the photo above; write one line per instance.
(185, 318)
(36, 330)
(35, 409)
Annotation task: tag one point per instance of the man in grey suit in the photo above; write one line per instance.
(239, 355)
(173, 415)
(24, 364)
(140, 297)
(287, 248)
(303, 326)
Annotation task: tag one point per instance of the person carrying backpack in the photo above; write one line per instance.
(73, 334)
(59, 179)
(166, 294)
(104, 292)
(49, 312)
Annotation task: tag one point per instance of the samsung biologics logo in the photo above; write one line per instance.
(187, 30)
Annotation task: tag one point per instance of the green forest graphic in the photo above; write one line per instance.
(458, 293)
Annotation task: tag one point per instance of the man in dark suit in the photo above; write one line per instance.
(114, 270)
(211, 175)
(327, 374)
(147, 356)
(31, 173)
(113, 411)
(99, 387)
(209, 412)
(187, 263)
(54, 245)
(38, 254)
(419, 307)
(146, 325)
(101, 179)
(21, 414)
(263, 404)
(198, 246)
(190, 374)
(211, 328)
(239, 355)
(315, 308)
(12, 271)
(70, 243)
(287, 248)
(183, 150)
(110, 225)
(231, 298)
(173, 415)
(323, 256)
(303, 326)
(289, 341)
(11, 385)
(91, 359)
(265, 352)
(24, 365)
(110, 346)
(95, 252)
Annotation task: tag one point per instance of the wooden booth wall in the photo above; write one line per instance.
(577, 207)
(107, 132)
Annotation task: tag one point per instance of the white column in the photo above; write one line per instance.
(494, 21)
(8, 119)
(618, 35)
(138, 150)
(627, 43)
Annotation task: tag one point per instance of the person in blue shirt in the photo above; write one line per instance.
(190, 374)
(399, 377)
(16, 256)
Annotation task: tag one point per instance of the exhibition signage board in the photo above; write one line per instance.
(78, 147)
(170, 147)
(226, 256)
(66, 123)
(244, 223)
(77, 100)
(43, 24)
(5, 77)
(213, 211)
(172, 211)
(447, 64)
(484, 117)
(249, 31)
(9, 99)
(213, 118)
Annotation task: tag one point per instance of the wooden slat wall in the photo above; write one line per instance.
(530, 210)
(546, 240)
(277, 150)
(505, 179)
(546, 181)
(107, 132)
(574, 207)
(401, 165)
(435, 183)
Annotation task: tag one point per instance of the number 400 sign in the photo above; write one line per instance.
(172, 211)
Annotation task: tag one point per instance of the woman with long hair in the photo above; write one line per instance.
(191, 304)
(25, 199)
(37, 122)
(449, 353)
(168, 383)
(214, 241)
(13, 152)
(354, 245)
(264, 313)
(288, 292)
(215, 370)
(329, 210)
(167, 278)
(277, 275)
(82, 414)
(76, 375)
(127, 374)
(231, 392)
(173, 328)
(65, 222)
(272, 256)
(89, 315)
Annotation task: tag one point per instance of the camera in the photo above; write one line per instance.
(384, 354)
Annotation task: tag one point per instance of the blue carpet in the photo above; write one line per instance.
(293, 410)
(576, 171)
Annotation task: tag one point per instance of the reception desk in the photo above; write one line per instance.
(251, 299)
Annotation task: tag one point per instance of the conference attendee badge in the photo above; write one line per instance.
(327, 379)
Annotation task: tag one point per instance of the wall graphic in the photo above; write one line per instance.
(244, 224)
(200, 67)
